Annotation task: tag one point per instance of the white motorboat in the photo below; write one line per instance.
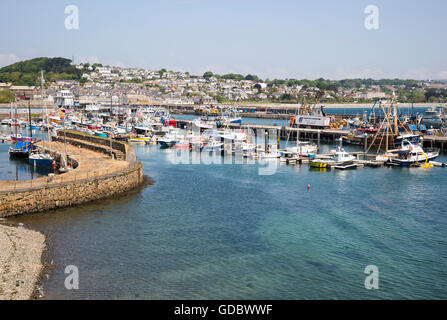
(170, 139)
(205, 123)
(411, 154)
(213, 146)
(303, 148)
(269, 155)
(341, 156)
(6, 122)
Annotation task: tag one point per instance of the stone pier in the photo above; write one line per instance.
(96, 176)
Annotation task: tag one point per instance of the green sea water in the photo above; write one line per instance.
(222, 231)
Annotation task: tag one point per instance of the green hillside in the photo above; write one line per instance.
(28, 72)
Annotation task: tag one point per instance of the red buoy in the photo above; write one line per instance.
(308, 187)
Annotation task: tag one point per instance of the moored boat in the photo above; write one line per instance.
(212, 146)
(21, 148)
(411, 154)
(40, 160)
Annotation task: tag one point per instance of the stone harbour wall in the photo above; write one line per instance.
(42, 198)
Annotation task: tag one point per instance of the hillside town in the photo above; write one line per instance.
(106, 85)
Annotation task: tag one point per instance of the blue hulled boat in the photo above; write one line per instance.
(21, 148)
(40, 160)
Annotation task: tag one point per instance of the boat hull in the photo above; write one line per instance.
(415, 160)
(18, 154)
(166, 144)
(44, 163)
(318, 164)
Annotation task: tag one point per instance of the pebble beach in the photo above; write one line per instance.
(20, 262)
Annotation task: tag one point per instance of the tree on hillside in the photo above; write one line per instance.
(233, 76)
(251, 77)
(6, 96)
(25, 72)
(208, 75)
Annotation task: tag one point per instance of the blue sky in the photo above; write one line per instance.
(273, 39)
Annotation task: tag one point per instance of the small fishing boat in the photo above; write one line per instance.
(205, 123)
(248, 147)
(21, 148)
(367, 130)
(318, 163)
(183, 144)
(139, 139)
(197, 145)
(14, 123)
(410, 154)
(212, 146)
(410, 137)
(167, 142)
(40, 160)
(100, 133)
(232, 136)
(33, 126)
(170, 139)
(5, 137)
(233, 120)
(19, 137)
(434, 117)
(341, 156)
(345, 166)
(303, 148)
(269, 155)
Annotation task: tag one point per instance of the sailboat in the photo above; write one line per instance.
(37, 158)
(302, 148)
(21, 146)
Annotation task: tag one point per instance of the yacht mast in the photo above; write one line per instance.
(29, 114)
(396, 130)
(387, 129)
(15, 120)
(10, 116)
(43, 106)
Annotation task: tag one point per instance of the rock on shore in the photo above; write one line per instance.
(20, 262)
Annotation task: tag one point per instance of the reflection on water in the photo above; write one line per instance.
(222, 231)
(18, 169)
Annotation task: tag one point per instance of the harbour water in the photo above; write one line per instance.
(17, 169)
(222, 231)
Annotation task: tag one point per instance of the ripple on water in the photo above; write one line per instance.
(225, 232)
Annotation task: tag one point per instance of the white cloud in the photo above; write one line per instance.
(8, 58)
